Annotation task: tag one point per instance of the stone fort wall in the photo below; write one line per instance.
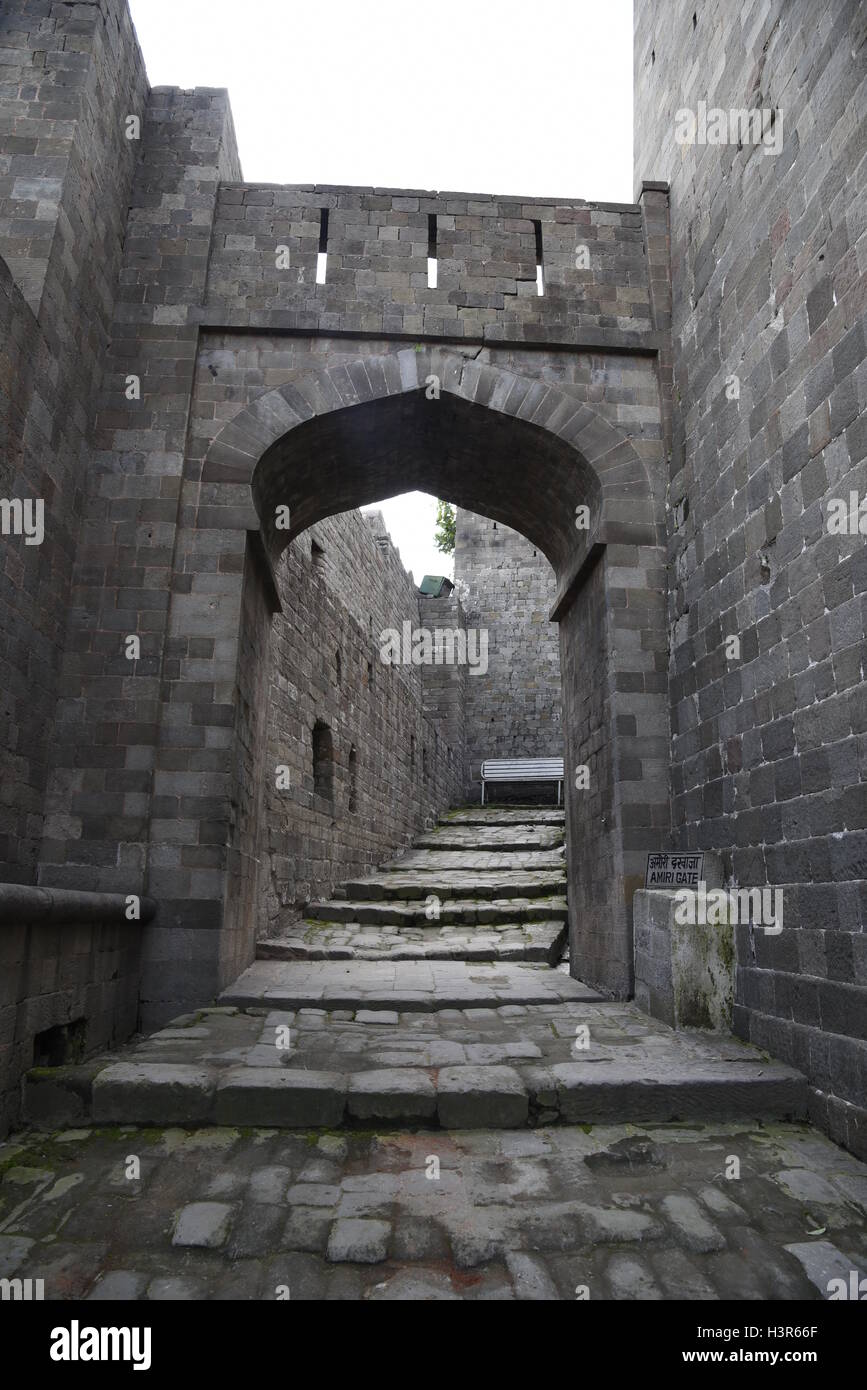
(396, 762)
(68, 77)
(768, 256)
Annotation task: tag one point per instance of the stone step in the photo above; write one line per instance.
(488, 838)
(511, 941)
(452, 1097)
(457, 883)
(400, 985)
(511, 815)
(414, 912)
(440, 861)
(464, 1068)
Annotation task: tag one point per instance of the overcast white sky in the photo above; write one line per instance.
(485, 96)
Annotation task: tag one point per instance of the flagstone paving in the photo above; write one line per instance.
(420, 984)
(608, 1212)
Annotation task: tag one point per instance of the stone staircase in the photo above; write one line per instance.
(485, 884)
(425, 995)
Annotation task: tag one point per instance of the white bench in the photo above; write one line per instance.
(523, 770)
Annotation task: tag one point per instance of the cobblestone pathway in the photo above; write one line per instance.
(621, 1211)
(392, 1104)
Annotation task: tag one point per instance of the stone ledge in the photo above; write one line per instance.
(23, 903)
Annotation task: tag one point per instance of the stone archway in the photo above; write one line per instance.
(509, 446)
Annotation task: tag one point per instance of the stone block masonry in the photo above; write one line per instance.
(513, 710)
(769, 282)
(394, 748)
(376, 279)
(68, 77)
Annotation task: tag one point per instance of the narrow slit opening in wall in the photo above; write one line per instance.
(432, 251)
(540, 272)
(322, 258)
(323, 762)
(353, 779)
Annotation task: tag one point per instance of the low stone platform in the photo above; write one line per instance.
(574, 1062)
(608, 1212)
(416, 984)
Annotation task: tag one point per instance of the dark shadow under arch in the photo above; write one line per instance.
(508, 469)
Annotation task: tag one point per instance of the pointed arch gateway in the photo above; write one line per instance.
(518, 449)
(524, 452)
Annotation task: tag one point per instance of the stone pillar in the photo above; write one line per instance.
(613, 654)
(135, 747)
(684, 971)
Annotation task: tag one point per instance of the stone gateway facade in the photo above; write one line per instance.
(200, 734)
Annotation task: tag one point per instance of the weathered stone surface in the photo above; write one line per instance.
(524, 1214)
(421, 985)
(268, 1096)
(516, 941)
(823, 1262)
(288, 1065)
(358, 1240)
(406, 1093)
(203, 1225)
(475, 1097)
(145, 1092)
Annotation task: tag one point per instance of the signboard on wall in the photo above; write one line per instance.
(674, 870)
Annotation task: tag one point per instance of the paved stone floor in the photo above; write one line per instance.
(411, 984)
(355, 1040)
(613, 1212)
(356, 1193)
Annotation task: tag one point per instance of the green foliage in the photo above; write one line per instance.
(444, 536)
